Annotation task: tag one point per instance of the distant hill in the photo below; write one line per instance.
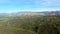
(38, 13)
(31, 13)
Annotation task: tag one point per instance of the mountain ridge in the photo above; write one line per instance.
(33, 13)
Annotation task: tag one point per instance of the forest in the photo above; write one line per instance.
(37, 24)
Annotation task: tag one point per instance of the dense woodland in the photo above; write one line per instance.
(37, 24)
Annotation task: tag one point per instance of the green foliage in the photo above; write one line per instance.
(48, 24)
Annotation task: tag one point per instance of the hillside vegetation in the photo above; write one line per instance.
(38, 24)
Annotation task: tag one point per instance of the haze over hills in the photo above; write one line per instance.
(37, 13)
(31, 13)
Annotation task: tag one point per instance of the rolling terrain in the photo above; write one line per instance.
(30, 23)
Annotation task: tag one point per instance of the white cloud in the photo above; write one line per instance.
(47, 2)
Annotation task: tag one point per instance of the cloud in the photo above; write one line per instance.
(47, 2)
(37, 2)
(31, 4)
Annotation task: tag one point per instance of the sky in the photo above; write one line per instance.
(8, 6)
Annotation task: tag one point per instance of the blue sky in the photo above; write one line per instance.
(9, 6)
